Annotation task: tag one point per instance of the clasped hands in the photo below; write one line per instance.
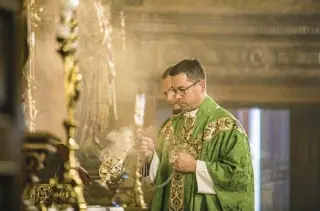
(183, 161)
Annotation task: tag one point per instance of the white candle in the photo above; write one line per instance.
(139, 109)
(69, 5)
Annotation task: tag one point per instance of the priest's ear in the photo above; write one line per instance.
(203, 85)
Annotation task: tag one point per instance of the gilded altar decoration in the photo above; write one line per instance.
(39, 194)
(46, 195)
(31, 86)
(70, 193)
(96, 111)
(36, 147)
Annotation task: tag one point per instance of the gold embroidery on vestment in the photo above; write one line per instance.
(186, 143)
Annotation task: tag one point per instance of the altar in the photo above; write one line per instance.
(86, 161)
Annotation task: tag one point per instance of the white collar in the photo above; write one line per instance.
(191, 113)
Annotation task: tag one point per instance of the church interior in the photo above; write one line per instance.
(79, 77)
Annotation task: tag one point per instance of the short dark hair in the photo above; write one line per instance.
(166, 73)
(191, 67)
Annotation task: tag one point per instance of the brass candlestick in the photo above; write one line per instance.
(72, 195)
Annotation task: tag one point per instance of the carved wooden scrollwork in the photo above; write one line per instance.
(238, 5)
(259, 57)
(265, 58)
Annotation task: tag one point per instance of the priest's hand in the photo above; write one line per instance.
(147, 147)
(185, 163)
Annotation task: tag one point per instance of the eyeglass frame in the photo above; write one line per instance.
(182, 91)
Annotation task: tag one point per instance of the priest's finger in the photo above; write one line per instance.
(175, 168)
(144, 143)
(146, 139)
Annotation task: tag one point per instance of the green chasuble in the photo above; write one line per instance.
(214, 136)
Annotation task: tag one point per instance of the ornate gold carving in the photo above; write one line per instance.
(36, 147)
(46, 195)
(39, 194)
(67, 38)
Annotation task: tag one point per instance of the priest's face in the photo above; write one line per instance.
(172, 101)
(187, 93)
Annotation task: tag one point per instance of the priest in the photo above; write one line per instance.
(204, 160)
